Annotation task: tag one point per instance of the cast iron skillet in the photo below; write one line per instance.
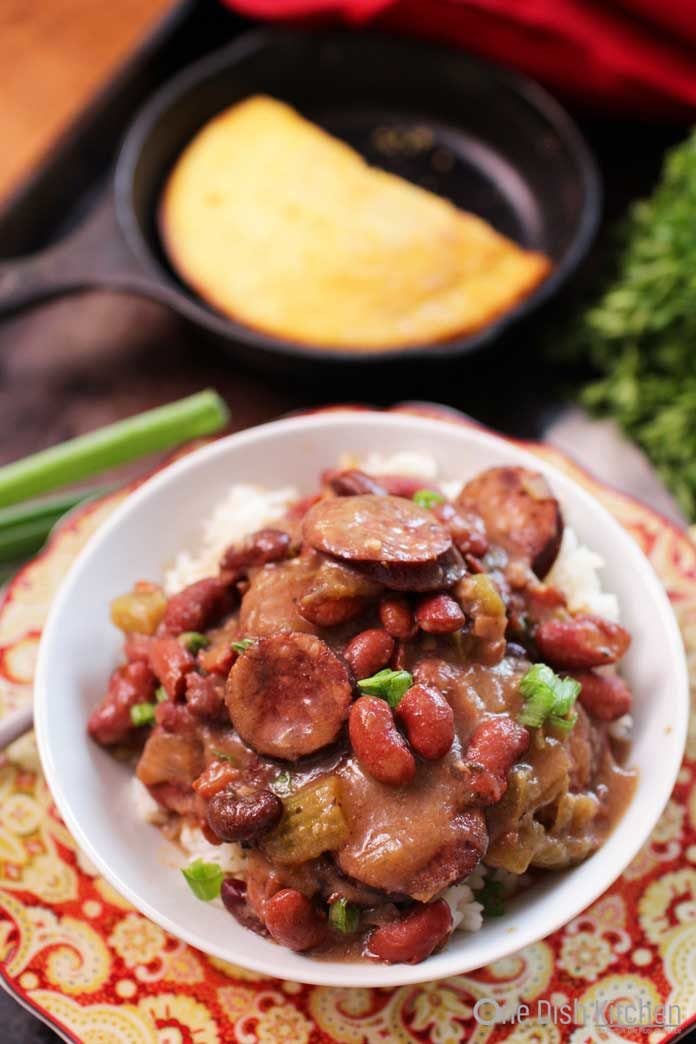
(489, 140)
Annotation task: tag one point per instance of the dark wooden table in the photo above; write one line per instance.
(72, 365)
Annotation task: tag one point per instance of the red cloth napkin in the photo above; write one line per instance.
(636, 56)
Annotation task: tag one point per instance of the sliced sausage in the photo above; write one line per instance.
(437, 575)
(411, 840)
(495, 746)
(520, 514)
(196, 607)
(375, 529)
(604, 696)
(578, 642)
(378, 744)
(467, 528)
(288, 695)
(414, 937)
(335, 594)
(271, 603)
(456, 859)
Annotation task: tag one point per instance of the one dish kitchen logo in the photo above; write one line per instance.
(623, 1013)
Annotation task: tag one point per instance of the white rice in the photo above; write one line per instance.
(576, 573)
(246, 508)
(230, 857)
(467, 914)
(622, 728)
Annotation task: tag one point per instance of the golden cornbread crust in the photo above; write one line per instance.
(286, 229)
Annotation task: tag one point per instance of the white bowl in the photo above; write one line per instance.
(79, 647)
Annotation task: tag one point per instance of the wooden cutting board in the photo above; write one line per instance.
(55, 56)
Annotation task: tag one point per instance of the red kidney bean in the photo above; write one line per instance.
(352, 483)
(205, 697)
(111, 721)
(293, 921)
(216, 777)
(428, 721)
(415, 936)
(243, 818)
(399, 660)
(581, 641)
(208, 834)
(604, 696)
(396, 617)
(369, 651)
(493, 749)
(439, 614)
(137, 647)
(171, 662)
(234, 897)
(196, 607)
(378, 744)
(176, 717)
(258, 549)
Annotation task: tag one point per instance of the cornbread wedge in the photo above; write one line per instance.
(287, 229)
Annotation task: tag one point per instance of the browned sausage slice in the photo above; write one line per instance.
(288, 695)
(387, 530)
(438, 575)
(520, 514)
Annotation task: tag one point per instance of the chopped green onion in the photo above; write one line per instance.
(142, 714)
(344, 917)
(24, 528)
(548, 698)
(161, 694)
(242, 645)
(194, 641)
(224, 756)
(563, 724)
(387, 684)
(149, 432)
(282, 784)
(428, 498)
(204, 879)
(491, 898)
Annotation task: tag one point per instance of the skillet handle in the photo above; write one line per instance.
(93, 255)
